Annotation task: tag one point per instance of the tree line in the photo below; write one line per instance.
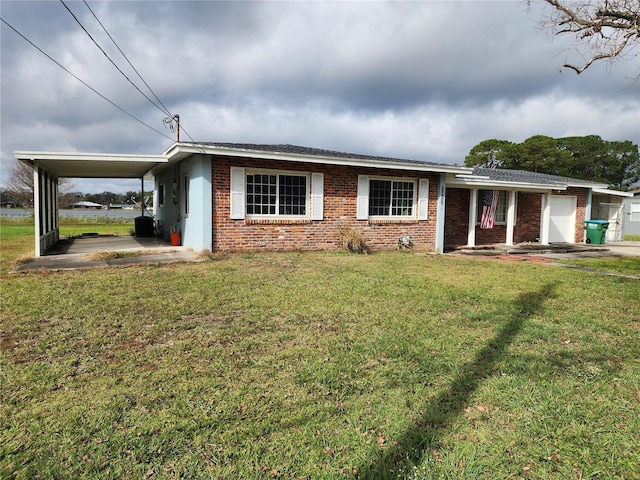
(68, 199)
(615, 163)
(18, 191)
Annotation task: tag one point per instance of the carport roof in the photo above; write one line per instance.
(92, 165)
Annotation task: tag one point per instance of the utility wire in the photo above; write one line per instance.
(81, 81)
(171, 117)
(164, 111)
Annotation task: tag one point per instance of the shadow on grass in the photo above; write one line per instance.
(446, 407)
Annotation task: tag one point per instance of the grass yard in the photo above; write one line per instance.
(17, 237)
(319, 366)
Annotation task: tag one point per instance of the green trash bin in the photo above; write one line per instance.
(596, 231)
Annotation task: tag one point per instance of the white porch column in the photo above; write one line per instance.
(587, 212)
(545, 218)
(473, 218)
(440, 213)
(511, 216)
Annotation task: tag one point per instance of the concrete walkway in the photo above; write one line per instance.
(559, 251)
(91, 251)
(552, 254)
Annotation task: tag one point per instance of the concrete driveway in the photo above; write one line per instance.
(84, 252)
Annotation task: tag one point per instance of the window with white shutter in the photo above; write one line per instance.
(259, 193)
(380, 197)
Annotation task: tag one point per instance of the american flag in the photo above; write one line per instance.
(489, 204)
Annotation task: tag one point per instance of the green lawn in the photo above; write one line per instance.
(17, 237)
(319, 365)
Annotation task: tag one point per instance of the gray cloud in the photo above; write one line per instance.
(426, 80)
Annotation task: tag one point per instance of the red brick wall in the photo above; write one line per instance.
(340, 198)
(456, 217)
(527, 228)
(528, 215)
(457, 222)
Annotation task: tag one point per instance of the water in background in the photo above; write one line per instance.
(86, 215)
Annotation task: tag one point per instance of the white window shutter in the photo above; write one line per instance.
(363, 198)
(423, 199)
(237, 207)
(317, 196)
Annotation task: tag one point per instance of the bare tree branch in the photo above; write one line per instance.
(604, 29)
(20, 181)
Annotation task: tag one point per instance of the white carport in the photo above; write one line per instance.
(48, 167)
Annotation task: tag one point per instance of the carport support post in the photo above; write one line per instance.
(442, 194)
(36, 207)
(142, 195)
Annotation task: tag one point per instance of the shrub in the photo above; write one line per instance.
(352, 240)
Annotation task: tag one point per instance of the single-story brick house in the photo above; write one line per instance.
(235, 197)
(283, 197)
(223, 196)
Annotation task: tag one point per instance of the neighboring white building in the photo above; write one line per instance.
(85, 204)
(631, 215)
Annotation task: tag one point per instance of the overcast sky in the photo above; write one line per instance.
(417, 80)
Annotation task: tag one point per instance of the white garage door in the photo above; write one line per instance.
(562, 219)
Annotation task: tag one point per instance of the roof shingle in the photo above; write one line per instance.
(523, 176)
(317, 152)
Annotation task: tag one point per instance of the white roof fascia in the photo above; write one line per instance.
(103, 157)
(606, 191)
(484, 182)
(92, 165)
(178, 150)
(587, 185)
(471, 176)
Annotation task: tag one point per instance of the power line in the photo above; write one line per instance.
(165, 111)
(127, 59)
(81, 81)
(171, 117)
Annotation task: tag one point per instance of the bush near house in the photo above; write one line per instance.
(320, 365)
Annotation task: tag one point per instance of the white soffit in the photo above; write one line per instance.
(92, 165)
